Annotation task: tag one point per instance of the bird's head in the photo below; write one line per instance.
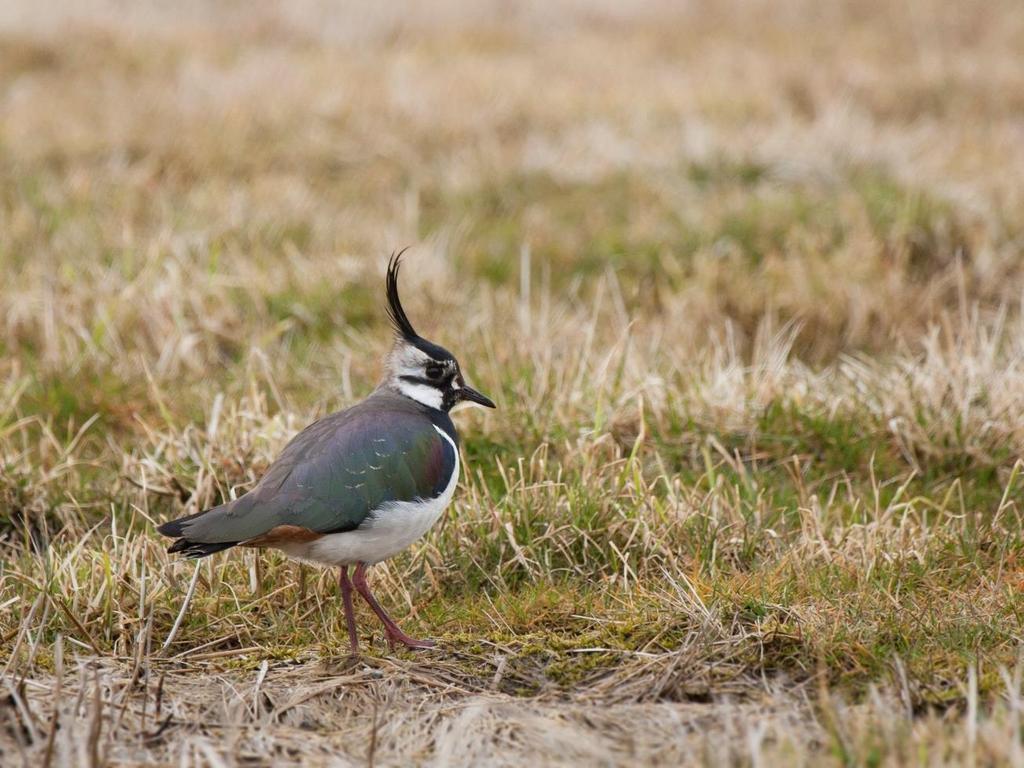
(421, 370)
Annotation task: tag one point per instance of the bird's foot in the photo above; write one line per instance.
(398, 637)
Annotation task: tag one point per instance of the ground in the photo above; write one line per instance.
(744, 279)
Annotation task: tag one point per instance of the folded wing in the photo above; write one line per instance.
(332, 476)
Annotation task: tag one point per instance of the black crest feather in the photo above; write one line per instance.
(398, 317)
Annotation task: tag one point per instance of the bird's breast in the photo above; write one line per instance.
(388, 530)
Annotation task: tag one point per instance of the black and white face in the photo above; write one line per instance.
(420, 370)
(430, 375)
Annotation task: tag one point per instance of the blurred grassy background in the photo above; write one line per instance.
(744, 278)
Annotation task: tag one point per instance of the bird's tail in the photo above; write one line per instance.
(196, 549)
(178, 529)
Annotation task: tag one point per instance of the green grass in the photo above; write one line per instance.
(752, 492)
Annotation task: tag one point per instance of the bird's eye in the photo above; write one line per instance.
(434, 371)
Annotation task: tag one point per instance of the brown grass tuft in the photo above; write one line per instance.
(743, 278)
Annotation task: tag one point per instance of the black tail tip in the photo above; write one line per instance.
(170, 528)
(197, 549)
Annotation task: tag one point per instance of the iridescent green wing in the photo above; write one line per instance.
(335, 473)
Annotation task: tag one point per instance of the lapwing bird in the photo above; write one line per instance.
(360, 485)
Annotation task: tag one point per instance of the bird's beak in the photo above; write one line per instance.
(468, 394)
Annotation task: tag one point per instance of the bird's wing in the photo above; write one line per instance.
(334, 473)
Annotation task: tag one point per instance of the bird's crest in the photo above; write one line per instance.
(399, 319)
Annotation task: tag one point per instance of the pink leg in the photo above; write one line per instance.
(350, 614)
(395, 635)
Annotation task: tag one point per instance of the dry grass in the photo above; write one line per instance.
(744, 279)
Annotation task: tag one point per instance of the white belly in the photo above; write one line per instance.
(389, 530)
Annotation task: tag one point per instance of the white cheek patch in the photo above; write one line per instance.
(421, 393)
(407, 362)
